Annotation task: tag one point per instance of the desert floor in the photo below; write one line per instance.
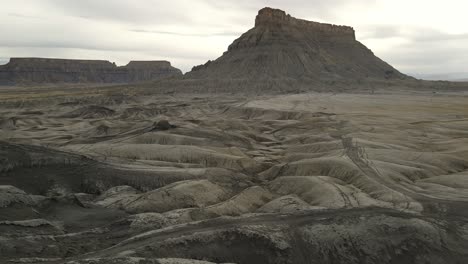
(94, 175)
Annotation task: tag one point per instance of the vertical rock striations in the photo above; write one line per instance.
(283, 49)
(47, 71)
(138, 71)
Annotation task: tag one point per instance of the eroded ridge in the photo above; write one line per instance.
(201, 177)
(275, 17)
(43, 71)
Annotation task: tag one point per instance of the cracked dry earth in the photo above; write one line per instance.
(308, 178)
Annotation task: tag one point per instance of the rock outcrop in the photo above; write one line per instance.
(138, 71)
(45, 71)
(281, 48)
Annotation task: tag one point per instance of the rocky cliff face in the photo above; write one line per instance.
(281, 47)
(268, 17)
(43, 71)
(138, 71)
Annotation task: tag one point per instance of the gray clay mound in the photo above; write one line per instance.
(89, 112)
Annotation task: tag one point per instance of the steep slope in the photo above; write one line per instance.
(46, 71)
(281, 47)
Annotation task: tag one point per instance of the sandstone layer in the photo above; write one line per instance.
(49, 71)
(283, 50)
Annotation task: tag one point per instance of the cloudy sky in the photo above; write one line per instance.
(422, 37)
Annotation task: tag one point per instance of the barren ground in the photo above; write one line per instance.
(304, 178)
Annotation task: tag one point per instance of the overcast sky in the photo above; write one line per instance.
(416, 36)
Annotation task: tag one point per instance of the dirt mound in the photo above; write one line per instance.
(179, 195)
(163, 125)
(324, 191)
(89, 112)
(118, 197)
(287, 204)
(10, 195)
(30, 227)
(8, 123)
(245, 202)
(71, 173)
(350, 236)
(206, 157)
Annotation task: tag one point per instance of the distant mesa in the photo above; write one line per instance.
(279, 51)
(283, 48)
(50, 71)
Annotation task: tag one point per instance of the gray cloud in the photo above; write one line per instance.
(429, 57)
(300, 8)
(418, 34)
(380, 32)
(19, 15)
(136, 11)
(213, 34)
(191, 32)
(423, 51)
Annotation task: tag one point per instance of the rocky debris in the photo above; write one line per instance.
(21, 71)
(282, 51)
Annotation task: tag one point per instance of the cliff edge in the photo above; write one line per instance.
(49, 71)
(281, 48)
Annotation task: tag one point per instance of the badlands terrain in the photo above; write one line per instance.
(297, 145)
(307, 178)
